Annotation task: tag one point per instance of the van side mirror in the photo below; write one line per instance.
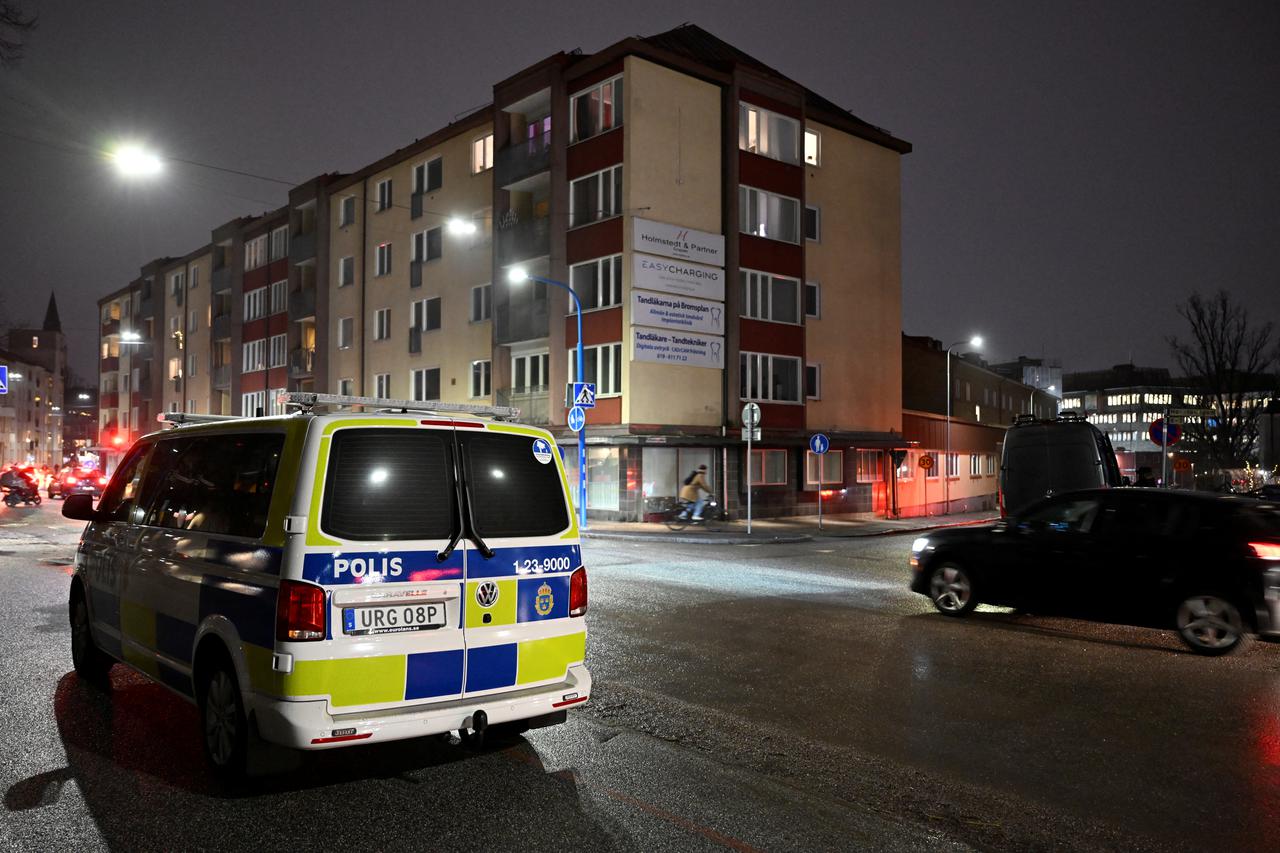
(79, 508)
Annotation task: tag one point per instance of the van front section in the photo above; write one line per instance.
(429, 571)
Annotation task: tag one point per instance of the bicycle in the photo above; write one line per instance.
(677, 518)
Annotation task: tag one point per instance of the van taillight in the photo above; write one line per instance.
(1261, 550)
(578, 593)
(299, 612)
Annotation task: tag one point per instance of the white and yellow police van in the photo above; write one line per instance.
(330, 578)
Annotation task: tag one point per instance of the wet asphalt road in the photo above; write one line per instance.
(752, 697)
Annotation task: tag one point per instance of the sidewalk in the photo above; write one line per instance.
(781, 530)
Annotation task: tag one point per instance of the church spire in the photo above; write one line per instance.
(51, 321)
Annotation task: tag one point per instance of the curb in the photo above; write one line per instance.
(905, 530)
(700, 540)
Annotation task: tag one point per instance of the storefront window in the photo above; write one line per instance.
(602, 475)
(666, 468)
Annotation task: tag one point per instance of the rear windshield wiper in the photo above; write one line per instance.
(456, 535)
(473, 534)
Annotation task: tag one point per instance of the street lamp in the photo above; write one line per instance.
(976, 343)
(518, 275)
(134, 161)
(461, 227)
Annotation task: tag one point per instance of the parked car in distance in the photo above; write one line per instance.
(1207, 566)
(1042, 458)
(77, 481)
(1269, 492)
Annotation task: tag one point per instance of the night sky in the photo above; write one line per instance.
(1078, 168)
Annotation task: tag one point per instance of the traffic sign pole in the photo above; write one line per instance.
(1164, 450)
(750, 420)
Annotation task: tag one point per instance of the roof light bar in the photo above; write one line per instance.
(177, 418)
(307, 400)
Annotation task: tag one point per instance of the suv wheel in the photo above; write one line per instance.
(951, 589)
(1209, 624)
(223, 723)
(90, 663)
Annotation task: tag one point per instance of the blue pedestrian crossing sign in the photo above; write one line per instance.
(819, 443)
(4, 379)
(577, 419)
(584, 394)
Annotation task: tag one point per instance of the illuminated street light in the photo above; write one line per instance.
(130, 337)
(134, 161)
(461, 227)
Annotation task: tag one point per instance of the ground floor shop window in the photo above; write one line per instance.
(603, 475)
(868, 466)
(664, 469)
(832, 468)
(768, 467)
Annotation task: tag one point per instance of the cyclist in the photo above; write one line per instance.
(691, 493)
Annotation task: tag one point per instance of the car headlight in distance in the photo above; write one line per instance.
(919, 544)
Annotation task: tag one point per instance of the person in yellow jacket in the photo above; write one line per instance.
(692, 492)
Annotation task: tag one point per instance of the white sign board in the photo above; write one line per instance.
(670, 311)
(675, 241)
(678, 277)
(686, 348)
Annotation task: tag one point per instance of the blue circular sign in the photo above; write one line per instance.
(819, 443)
(577, 418)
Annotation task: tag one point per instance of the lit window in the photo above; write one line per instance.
(482, 154)
(596, 110)
(765, 214)
(812, 148)
(830, 465)
(769, 467)
(768, 134)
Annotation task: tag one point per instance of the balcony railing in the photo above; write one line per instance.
(520, 240)
(301, 362)
(110, 364)
(522, 159)
(302, 304)
(109, 400)
(220, 328)
(222, 376)
(534, 403)
(111, 327)
(221, 279)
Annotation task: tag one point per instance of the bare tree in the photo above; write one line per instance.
(1225, 359)
(14, 27)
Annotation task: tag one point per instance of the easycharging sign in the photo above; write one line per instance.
(682, 278)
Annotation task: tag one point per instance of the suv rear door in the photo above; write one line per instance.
(384, 540)
(524, 549)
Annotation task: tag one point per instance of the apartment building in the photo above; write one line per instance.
(185, 344)
(409, 271)
(731, 235)
(33, 409)
(984, 403)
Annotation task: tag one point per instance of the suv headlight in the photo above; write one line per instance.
(919, 544)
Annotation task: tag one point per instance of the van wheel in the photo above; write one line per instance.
(951, 589)
(89, 662)
(1209, 624)
(223, 723)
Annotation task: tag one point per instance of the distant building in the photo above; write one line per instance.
(80, 420)
(983, 405)
(1042, 373)
(31, 414)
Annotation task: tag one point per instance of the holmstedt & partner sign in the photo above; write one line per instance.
(674, 241)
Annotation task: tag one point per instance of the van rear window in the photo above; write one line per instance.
(390, 484)
(512, 493)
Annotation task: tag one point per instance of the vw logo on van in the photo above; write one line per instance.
(487, 594)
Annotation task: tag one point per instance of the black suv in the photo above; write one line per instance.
(1207, 566)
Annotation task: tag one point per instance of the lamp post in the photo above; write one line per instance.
(518, 275)
(976, 343)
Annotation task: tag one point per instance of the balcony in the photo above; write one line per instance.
(177, 384)
(111, 327)
(110, 364)
(221, 279)
(109, 400)
(415, 340)
(534, 403)
(521, 240)
(302, 304)
(302, 362)
(522, 159)
(220, 328)
(302, 247)
(222, 376)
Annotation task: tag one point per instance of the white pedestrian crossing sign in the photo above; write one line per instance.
(4, 379)
(584, 394)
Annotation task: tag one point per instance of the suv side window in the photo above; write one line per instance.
(219, 484)
(1129, 515)
(1074, 514)
(120, 500)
